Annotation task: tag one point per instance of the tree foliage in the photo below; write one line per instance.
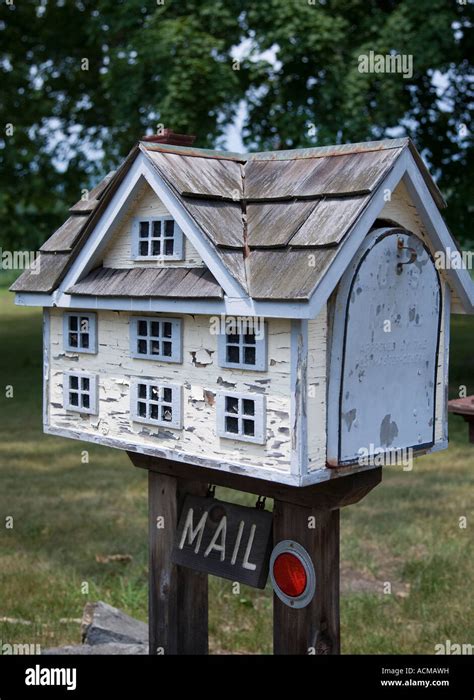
(82, 80)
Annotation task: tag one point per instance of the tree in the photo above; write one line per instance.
(318, 96)
(82, 80)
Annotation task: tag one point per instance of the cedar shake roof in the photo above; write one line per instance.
(264, 213)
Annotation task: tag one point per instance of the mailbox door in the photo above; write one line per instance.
(384, 351)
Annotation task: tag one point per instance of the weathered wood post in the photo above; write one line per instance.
(178, 599)
(178, 610)
(315, 628)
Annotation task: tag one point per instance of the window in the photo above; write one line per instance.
(157, 238)
(241, 417)
(244, 349)
(157, 404)
(80, 392)
(155, 338)
(80, 332)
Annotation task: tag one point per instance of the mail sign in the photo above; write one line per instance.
(225, 540)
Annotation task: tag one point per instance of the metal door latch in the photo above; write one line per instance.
(413, 255)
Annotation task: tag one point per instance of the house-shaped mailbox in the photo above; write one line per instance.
(272, 314)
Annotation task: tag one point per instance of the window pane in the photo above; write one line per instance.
(167, 349)
(142, 409)
(249, 356)
(154, 393)
(142, 391)
(233, 353)
(231, 425)
(85, 400)
(85, 384)
(142, 328)
(157, 228)
(73, 323)
(156, 248)
(84, 325)
(84, 340)
(73, 340)
(249, 427)
(169, 227)
(166, 413)
(249, 407)
(155, 329)
(74, 382)
(167, 394)
(142, 349)
(169, 246)
(143, 229)
(73, 398)
(233, 338)
(249, 338)
(155, 347)
(154, 411)
(231, 404)
(143, 248)
(167, 329)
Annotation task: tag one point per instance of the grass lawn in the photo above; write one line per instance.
(68, 515)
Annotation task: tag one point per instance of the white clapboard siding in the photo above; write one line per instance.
(316, 404)
(402, 210)
(201, 378)
(119, 251)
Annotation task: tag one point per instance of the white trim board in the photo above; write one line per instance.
(272, 475)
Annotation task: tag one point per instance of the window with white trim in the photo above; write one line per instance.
(80, 332)
(80, 392)
(241, 417)
(156, 338)
(157, 238)
(244, 349)
(157, 404)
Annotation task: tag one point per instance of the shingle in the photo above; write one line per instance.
(45, 276)
(330, 221)
(182, 282)
(287, 273)
(87, 206)
(64, 239)
(315, 177)
(206, 177)
(221, 221)
(271, 224)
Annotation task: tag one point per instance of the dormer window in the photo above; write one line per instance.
(157, 238)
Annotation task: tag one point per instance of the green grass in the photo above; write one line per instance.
(65, 513)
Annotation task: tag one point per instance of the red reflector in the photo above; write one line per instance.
(290, 574)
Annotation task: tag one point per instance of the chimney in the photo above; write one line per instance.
(168, 136)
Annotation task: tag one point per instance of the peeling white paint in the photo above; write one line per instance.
(201, 380)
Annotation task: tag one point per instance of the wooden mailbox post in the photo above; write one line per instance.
(276, 323)
(178, 596)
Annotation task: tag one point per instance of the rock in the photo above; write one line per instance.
(98, 649)
(103, 624)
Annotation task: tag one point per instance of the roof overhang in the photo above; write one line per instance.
(139, 169)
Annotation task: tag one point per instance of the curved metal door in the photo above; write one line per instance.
(387, 326)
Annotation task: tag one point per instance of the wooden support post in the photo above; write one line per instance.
(315, 628)
(178, 611)
(178, 596)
